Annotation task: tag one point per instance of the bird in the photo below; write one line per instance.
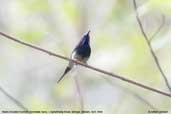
(80, 53)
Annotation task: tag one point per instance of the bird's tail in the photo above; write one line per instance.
(65, 72)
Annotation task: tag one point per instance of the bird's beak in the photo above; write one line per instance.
(88, 32)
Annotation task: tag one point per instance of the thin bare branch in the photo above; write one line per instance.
(159, 29)
(147, 103)
(87, 66)
(79, 94)
(150, 47)
(14, 100)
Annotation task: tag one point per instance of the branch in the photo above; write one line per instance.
(147, 103)
(79, 94)
(87, 66)
(159, 28)
(150, 47)
(18, 103)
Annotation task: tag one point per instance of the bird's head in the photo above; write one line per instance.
(86, 39)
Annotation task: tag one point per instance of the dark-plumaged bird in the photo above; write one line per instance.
(81, 53)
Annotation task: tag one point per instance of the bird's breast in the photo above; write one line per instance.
(81, 53)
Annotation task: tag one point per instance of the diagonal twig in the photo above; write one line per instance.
(79, 94)
(88, 66)
(18, 103)
(150, 47)
(159, 28)
(147, 103)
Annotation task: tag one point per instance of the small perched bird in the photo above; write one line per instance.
(81, 53)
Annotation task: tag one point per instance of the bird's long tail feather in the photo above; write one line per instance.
(65, 72)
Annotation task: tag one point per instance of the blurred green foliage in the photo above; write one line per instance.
(71, 11)
(34, 6)
(32, 36)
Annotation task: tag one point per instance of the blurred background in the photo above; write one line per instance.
(117, 46)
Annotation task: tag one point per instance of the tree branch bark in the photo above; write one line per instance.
(88, 66)
(79, 94)
(18, 103)
(150, 47)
